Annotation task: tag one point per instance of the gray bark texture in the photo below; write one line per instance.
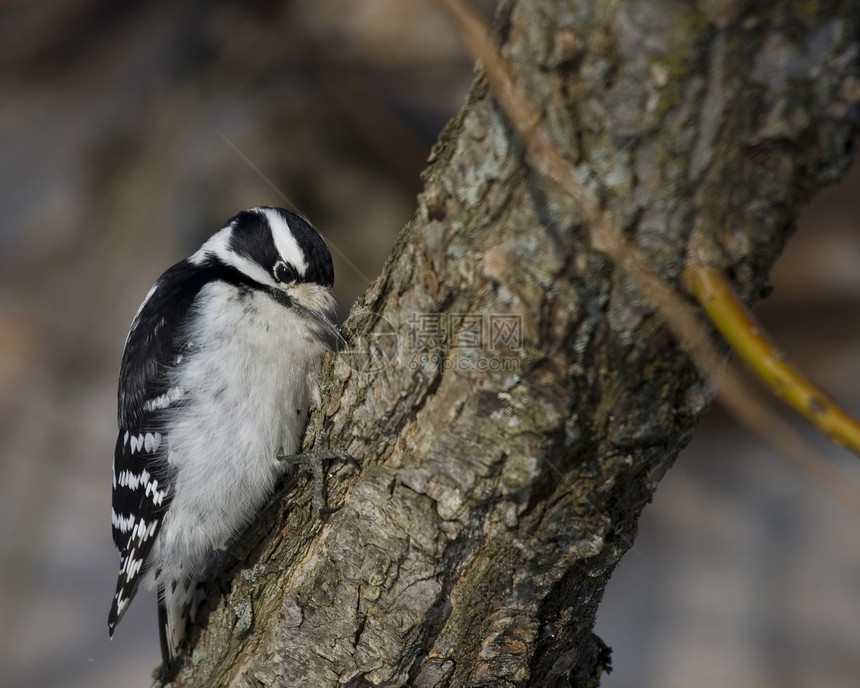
(502, 477)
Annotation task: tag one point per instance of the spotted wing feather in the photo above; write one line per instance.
(142, 478)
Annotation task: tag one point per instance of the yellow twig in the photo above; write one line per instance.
(741, 330)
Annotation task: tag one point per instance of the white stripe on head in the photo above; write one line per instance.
(216, 245)
(219, 245)
(284, 240)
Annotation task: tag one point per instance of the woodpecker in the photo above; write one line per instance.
(219, 372)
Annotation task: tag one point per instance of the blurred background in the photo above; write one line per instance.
(130, 131)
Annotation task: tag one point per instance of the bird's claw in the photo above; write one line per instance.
(316, 460)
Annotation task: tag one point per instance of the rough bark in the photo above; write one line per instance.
(502, 480)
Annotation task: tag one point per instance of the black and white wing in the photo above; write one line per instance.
(142, 477)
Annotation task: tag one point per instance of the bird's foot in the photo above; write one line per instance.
(316, 461)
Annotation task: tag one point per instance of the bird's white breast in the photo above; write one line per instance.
(248, 381)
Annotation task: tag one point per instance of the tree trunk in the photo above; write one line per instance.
(512, 399)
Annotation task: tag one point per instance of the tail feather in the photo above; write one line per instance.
(125, 590)
(174, 607)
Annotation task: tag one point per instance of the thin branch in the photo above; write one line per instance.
(750, 341)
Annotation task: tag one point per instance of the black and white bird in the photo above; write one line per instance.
(218, 375)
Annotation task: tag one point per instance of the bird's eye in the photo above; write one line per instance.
(285, 273)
